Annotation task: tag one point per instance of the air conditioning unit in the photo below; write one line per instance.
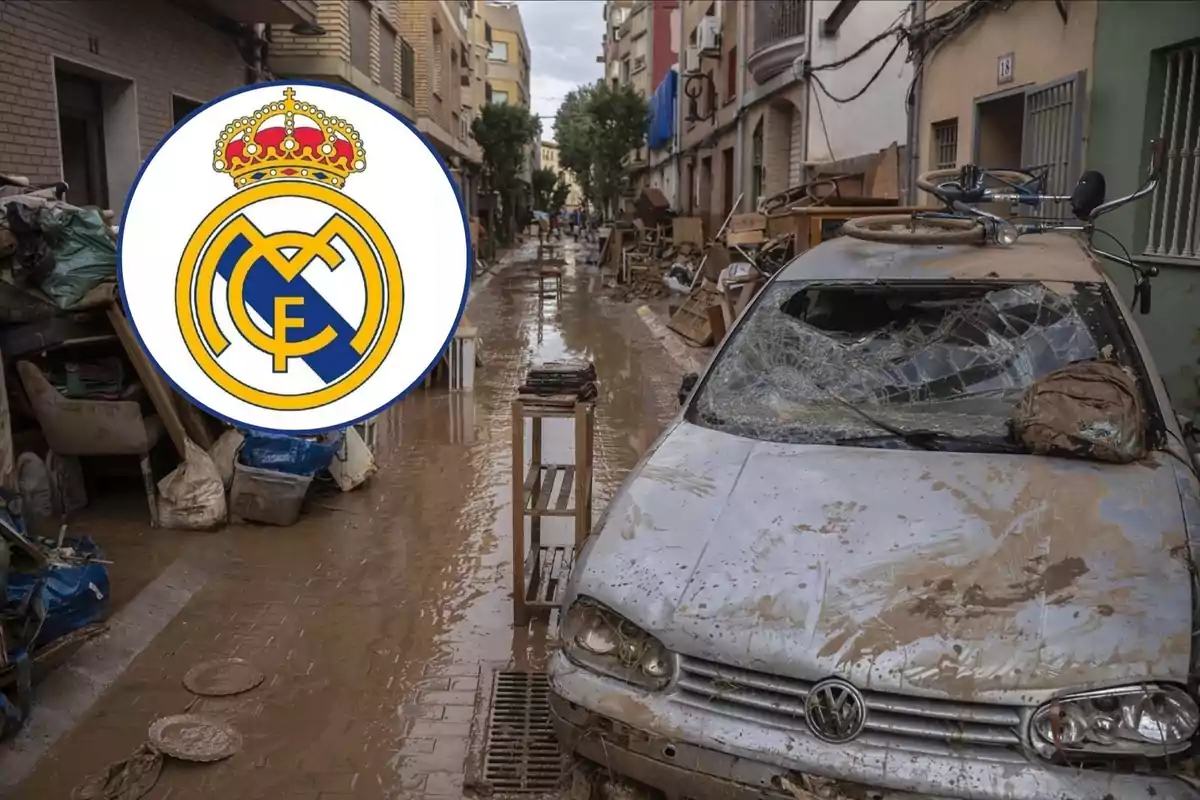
(708, 36)
(691, 61)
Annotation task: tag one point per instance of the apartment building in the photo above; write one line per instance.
(415, 57)
(508, 65)
(549, 160)
(640, 49)
(750, 123)
(508, 55)
(88, 88)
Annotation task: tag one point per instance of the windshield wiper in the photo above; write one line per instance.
(916, 440)
(937, 440)
(922, 439)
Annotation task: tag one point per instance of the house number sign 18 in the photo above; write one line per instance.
(1004, 68)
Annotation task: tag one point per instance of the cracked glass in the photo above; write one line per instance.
(951, 359)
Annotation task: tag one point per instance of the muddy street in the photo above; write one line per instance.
(375, 618)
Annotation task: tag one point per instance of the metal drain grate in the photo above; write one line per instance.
(521, 755)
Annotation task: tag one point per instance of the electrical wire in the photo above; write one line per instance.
(824, 129)
(816, 79)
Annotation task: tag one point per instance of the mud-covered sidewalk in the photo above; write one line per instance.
(375, 616)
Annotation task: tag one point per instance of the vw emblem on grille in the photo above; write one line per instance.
(835, 711)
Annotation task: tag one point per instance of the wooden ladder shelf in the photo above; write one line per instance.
(541, 490)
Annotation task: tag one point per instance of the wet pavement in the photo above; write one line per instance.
(375, 617)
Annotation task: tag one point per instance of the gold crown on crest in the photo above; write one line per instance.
(289, 140)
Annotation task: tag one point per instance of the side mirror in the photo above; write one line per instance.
(1088, 194)
(686, 385)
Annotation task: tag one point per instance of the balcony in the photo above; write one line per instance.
(778, 37)
(279, 12)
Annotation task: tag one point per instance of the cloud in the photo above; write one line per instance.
(565, 36)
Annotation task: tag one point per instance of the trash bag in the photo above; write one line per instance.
(224, 453)
(128, 779)
(292, 455)
(1092, 409)
(71, 593)
(85, 254)
(192, 496)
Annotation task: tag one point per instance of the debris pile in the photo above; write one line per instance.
(53, 596)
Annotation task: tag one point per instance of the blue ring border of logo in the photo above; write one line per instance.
(462, 306)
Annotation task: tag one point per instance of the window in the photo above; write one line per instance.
(1175, 210)
(438, 55)
(387, 56)
(181, 107)
(639, 53)
(499, 98)
(408, 63)
(360, 36)
(731, 73)
(456, 123)
(945, 144)
(498, 52)
(625, 70)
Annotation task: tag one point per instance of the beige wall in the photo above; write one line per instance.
(964, 69)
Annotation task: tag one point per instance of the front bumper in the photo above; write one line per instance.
(688, 752)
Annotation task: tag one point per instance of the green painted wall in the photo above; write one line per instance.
(1126, 95)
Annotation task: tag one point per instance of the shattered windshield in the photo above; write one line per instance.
(822, 363)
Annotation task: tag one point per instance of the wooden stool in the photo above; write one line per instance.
(540, 490)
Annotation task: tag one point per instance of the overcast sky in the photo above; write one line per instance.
(564, 37)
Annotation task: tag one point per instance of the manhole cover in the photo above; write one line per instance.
(191, 737)
(223, 677)
(522, 755)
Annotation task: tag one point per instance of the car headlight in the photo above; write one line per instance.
(604, 641)
(1151, 719)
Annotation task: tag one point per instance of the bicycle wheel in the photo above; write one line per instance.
(909, 229)
(928, 181)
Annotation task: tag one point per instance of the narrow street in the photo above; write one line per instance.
(374, 619)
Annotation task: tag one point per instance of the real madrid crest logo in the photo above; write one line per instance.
(323, 278)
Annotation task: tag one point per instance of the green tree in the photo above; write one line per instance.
(558, 197)
(550, 191)
(505, 133)
(543, 183)
(597, 127)
(573, 129)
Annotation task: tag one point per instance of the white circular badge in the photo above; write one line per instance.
(294, 257)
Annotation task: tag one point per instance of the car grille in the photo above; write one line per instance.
(918, 724)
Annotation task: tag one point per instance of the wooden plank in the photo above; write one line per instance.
(745, 237)
(564, 490)
(740, 223)
(194, 423)
(689, 230)
(160, 394)
(530, 478)
(543, 500)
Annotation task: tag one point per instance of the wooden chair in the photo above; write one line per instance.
(93, 427)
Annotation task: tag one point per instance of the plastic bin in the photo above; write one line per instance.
(264, 495)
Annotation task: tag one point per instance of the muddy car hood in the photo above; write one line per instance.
(971, 576)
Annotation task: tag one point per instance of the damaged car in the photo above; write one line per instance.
(923, 528)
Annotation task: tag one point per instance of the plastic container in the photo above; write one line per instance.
(264, 495)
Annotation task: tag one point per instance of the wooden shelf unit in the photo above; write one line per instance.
(542, 490)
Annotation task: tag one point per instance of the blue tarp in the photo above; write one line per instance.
(662, 112)
(293, 455)
(73, 595)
